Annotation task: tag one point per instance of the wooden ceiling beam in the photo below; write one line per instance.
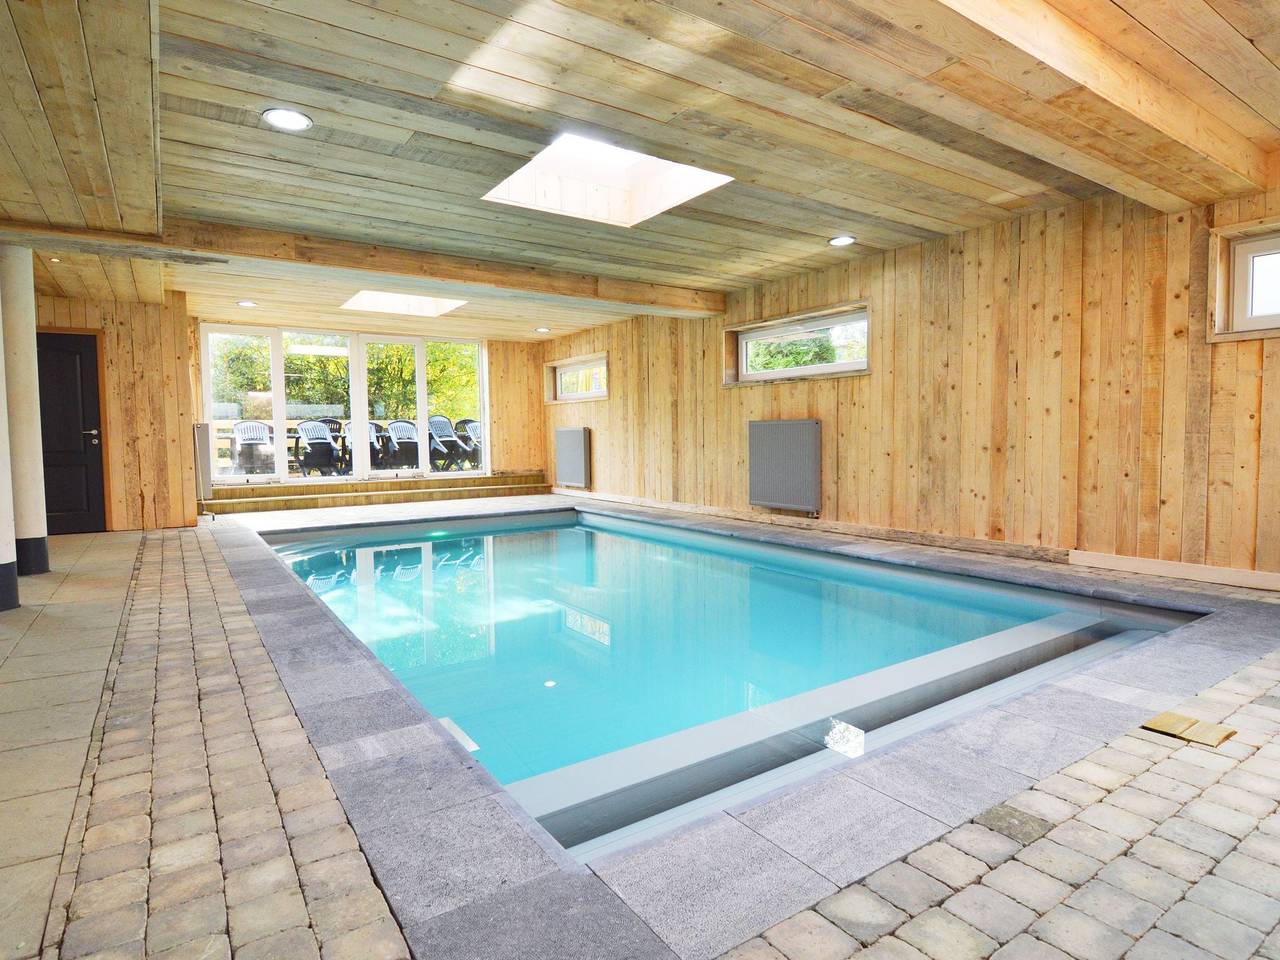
(1056, 40)
(199, 242)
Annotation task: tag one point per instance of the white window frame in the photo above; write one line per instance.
(832, 318)
(601, 360)
(1243, 252)
(358, 394)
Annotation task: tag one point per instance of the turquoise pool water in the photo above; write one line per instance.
(549, 646)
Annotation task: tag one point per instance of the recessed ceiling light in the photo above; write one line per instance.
(282, 118)
(842, 241)
(579, 177)
(541, 329)
(246, 303)
(378, 301)
(55, 259)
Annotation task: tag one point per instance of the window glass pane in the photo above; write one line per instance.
(1265, 299)
(241, 414)
(796, 349)
(317, 403)
(391, 373)
(581, 380)
(453, 405)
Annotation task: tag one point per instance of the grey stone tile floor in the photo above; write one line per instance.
(257, 758)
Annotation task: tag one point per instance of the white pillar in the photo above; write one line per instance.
(8, 554)
(22, 388)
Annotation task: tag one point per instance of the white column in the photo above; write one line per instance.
(22, 387)
(8, 554)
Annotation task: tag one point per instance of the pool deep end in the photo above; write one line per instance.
(607, 670)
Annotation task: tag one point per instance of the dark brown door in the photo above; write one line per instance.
(71, 422)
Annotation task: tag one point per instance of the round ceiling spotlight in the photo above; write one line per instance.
(246, 303)
(841, 241)
(541, 329)
(283, 118)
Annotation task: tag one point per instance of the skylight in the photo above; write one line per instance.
(590, 180)
(378, 301)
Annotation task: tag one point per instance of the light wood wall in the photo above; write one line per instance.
(1044, 381)
(147, 405)
(515, 407)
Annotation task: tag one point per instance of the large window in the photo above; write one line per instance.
(308, 405)
(829, 343)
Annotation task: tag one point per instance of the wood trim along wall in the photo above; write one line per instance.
(1220, 282)
(147, 406)
(1044, 381)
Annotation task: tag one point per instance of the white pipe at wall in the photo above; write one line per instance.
(8, 554)
(22, 388)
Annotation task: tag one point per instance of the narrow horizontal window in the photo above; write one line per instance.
(830, 344)
(583, 380)
(1255, 284)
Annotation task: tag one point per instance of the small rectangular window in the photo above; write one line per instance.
(832, 343)
(582, 380)
(1255, 283)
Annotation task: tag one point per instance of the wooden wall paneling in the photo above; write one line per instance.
(1268, 483)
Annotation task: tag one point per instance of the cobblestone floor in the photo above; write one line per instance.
(1150, 848)
(205, 824)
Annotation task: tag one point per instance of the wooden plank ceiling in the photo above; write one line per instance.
(893, 120)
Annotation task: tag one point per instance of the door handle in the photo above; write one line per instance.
(90, 433)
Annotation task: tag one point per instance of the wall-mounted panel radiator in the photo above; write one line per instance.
(784, 464)
(204, 462)
(573, 457)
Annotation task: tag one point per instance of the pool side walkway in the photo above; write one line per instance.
(1150, 848)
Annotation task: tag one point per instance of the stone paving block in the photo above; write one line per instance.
(1013, 823)
(334, 876)
(907, 888)
(1239, 903)
(1166, 787)
(890, 948)
(254, 849)
(1253, 782)
(940, 933)
(184, 853)
(862, 913)
(1027, 947)
(1211, 931)
(1142, 803)
(380, 941)
(1115, 907)
(180, 886)
(322, 843)
(103, 931)
(1081, 935)
(1068, 788)
(260, 879)
(1270, 948)
(983, 843)
(1172, 858)
(1159, 945)
(1220, 818)
(1090, 841)
(1113, 819)
(990, 911)
(255, 919)
(1058, 861)
(1095, 773)
(944, 862)
(297, 943)
(185, 922)
(117, 859)
(1144, 881)
(757, 949)
(1251, 873)
(1119, 760)
(173, 829)
(212, 947)
(1261, 846)
(1196, 836)
(809, 935)
(1027, 885)
(1236, 798)
(333, 917)
(110, 893)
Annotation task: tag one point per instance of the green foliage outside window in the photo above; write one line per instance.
(785, 354)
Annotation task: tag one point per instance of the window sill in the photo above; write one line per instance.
(576, 400)
(802, 378)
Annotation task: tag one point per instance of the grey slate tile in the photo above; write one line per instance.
(1077, 712)
(1019, 743)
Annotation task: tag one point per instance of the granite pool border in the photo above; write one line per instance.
(466, 871)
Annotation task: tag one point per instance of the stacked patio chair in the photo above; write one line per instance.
(453, 450)
(469, 432)
(375, 446)
(315, 449)
(251, 448)
(402, 444)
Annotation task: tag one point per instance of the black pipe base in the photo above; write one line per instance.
(8, 585)
(33, 555)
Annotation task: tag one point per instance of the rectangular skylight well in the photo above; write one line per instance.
(407, 304)
(579, 177)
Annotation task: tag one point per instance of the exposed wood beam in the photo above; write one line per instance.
(199, 242)
(1058, 41)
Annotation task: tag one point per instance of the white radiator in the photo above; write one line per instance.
(573, 457)
(204, 462)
